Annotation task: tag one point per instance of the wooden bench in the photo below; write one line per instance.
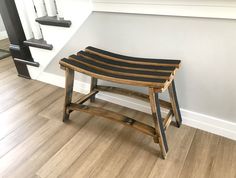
(156, 74)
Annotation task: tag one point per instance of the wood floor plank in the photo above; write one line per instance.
(17, 93)
(6, 63)
(55, 110)
(88, 158)
(6, 104)
(9, 81)
(224, 164)
(5, 67)
(7, 73)
(179, 141)
(28, 90)
(27, 147)
(206, 154)
(73, 149)
(117, 154)
(31, 106)
(4, 44)
(48, 149)
(19, 135)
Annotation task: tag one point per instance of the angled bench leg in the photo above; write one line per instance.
(68, 92)
(94, 82)
(159, 127)
(174, 103)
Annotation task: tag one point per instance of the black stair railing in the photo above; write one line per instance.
(20, 52)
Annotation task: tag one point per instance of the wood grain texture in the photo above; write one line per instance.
(120, 118)
(120, 71)
(174, 103)
(35, 143)
(210, 156)
(93, 85)
(131, 80)
(134, 60)
(157, 119)
(69, 84)
(125, 65)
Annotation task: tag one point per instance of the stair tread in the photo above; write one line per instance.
(38, 43)
(53, 21)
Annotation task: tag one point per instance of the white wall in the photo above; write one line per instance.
(205, 83)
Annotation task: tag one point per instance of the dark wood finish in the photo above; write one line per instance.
(68, 92)
(134, 60)
(35, 64)
(114, 116)
(119, 70)
(41, 43)
(131, 80)
(16, 36)
(159, 127)
(175, 104)
(22, 69)
(93, 85)
(125, 64)
(85, 98)
(53, 21)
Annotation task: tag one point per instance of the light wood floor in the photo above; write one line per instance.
(34, 142)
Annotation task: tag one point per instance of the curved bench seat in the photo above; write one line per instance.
(156, 73)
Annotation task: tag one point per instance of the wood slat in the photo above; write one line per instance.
(134, 60)
(131, 80)
(113, 116)
(167, 120)
(121, 71)
(85, 98)
(125, 65)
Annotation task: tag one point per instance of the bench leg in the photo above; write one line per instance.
(174, 103)
(94, 82)
(68, 92)
(159, 127)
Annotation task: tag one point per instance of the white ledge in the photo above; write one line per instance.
(216, 9)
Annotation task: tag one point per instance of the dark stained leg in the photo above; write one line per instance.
(94, 82)
(68, 92)
(160, 131)
(174, 103)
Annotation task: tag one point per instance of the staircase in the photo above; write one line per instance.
(48, 26)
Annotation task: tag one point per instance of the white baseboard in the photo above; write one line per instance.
(3, 35)
(59, 81)
(197, 120)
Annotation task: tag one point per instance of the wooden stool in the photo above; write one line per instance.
(156, 74)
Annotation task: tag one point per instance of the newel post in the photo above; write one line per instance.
(20, 53)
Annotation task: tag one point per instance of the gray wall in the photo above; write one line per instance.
(2, 28)
(206, 81)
